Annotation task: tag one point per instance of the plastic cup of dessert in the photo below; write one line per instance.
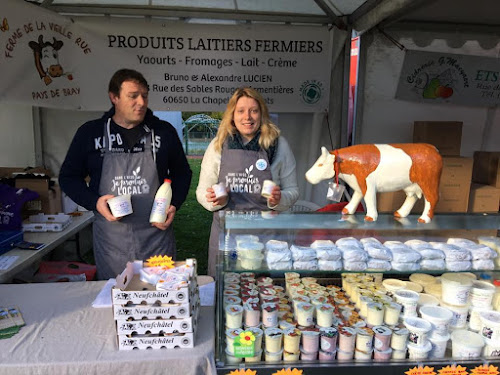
(466, 344)
(291, 340)
(456, 288)
(375, 314)
(364, 340)
(324, 315)
(273, 357)
(291, 357)
(308, 356)
(363, 305)
(267, 188)
(305, 314)
(391, 285)
(232, 300)
(328, 339)
(251, 314)
(273, 339)
(425, 299)
(256, 358)
(382, 339)
(344, 356)
(392, 313)
(439, 317)
(475, 318)
(439, 343)
(363, 355)
(481, 294)
(399, 338)
(491, 349)
(270, 314)
(416, 287)
(419, 330)
(460, 314)
(347, 339)
(231, 359)
(399, 354)
(121, 205)
(258, 333)
(417, 352)
(219, 189)
(490, 325)
(409, 300)
(327, 356)
(231, 334)
(382, 355)
(234, 316)
(310, 341)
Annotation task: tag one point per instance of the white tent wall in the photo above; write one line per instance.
(382, 118)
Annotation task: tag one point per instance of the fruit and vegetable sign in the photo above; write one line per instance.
(432, 77)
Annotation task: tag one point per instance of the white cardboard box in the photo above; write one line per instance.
(165, 311)
(179, 340)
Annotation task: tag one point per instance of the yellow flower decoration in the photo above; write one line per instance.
(160, 261)
(247, 338)
(243, 372)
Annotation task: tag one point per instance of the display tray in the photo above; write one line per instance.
(46, 223)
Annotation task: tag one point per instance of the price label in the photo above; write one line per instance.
(244, 345)
(485, 370)
(421, 370)
(453, 370)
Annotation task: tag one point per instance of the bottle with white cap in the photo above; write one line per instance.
(161, 203)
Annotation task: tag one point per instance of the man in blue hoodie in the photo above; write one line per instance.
(127, 151)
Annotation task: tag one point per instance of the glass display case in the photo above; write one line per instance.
(346, 270)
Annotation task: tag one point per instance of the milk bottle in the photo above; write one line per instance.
(161, 203)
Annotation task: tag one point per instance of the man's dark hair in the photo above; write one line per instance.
(123, 75)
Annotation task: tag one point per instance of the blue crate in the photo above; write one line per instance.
(8, 238)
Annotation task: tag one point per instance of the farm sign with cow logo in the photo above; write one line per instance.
(432, 77)
(49, 60)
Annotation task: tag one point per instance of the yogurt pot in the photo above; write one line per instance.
(324, 315)
(425, 299)
(391, 285)
(231, 300)
(475, 319)
(328, 339)
(410, 285)
(392, 313)
(434, 289)
(347, 339)
(409, 300)
(439, 343)
(291, 357)
(360, 355)
(251, 314)
(219, 190)
(382, 339)
(399, 354)
(121, 205)
(310, 340)
(460, 314)
(307, 356)
(456, 288)
(273, 357)
(258, 333)
(291, 340)
(418, 352)
(273, 339)
(234, 316)
(344, 356)
(490, 325)
(270, 314)
(267, 188)
(297, 300)
(481, 294)
(327, 356)
(382, 355)
(422, 279)
(231, 334)
(375, 314)
(364, 339)
(363, 305)
(399, 339)
(466, 344)
(305, 314)
(439, 317)
(491, 349)
(251, 263)
(256, 358)
(419, 330)
(231, 359)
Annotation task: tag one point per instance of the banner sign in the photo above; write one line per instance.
(50, 60)
(432, 77)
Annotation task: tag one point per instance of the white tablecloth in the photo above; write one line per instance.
(65, 335)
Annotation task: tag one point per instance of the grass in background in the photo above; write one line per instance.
(192, 224)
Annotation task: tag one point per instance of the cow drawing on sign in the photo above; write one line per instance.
(47, 58)
(371, 168)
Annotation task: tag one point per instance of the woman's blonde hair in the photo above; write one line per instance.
(269, 132)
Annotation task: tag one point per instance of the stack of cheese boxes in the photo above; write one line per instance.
(148, 317)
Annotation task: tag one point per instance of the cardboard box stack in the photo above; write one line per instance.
(485, 190)
(455, 183)
(154, 309)
(40, 180)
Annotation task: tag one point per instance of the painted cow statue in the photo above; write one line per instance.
(371, 168)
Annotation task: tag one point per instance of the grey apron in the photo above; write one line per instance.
(132, 237)
(243, 171)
